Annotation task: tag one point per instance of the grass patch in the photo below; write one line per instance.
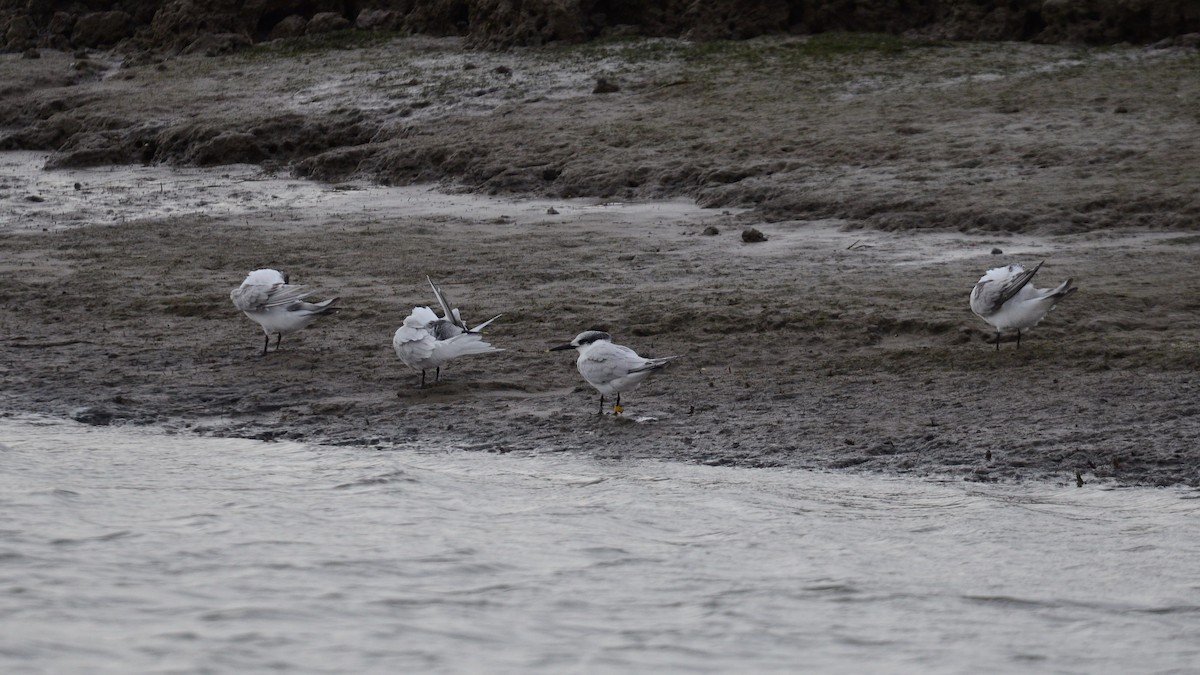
(840, 44)
(1189, 240)
(309, 44)
(701, 62)
(822, 45)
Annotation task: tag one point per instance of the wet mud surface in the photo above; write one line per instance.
(844, 341)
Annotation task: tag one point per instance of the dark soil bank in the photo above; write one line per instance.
(210, 26)
(884, 174)
(882, 131)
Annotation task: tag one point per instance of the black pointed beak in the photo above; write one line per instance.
(561, 347)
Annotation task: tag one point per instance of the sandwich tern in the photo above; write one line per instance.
(425, 341)
(1005, 298)
(611, 368)
(277, 306)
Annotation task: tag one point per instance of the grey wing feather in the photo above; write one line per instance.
(257, 298)
(1014, 286)
(447, 313)
(247, 299)
(603, 368)
(285, 294)
(621, 360)
(983, 298)
(992, 297)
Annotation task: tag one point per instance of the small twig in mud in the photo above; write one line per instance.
(676, 83)
(855, 245)
(38, 345)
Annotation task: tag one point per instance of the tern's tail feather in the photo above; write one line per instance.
(654, 364)
(463, 345)
(1063, 290)
(323, 307)
(483, 325)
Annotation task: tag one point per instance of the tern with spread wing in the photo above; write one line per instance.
(1005, 298)
(279, 307)
(426, 341)
(611, 368)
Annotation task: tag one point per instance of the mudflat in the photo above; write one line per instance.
(887, 175)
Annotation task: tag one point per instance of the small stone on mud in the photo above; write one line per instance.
(710, 231)
(502, 70)
(552, 211)
(92, 415)
(78, 186)
(469, 66)
(997, 251)
(31, 53)
(34, 198)
(752, 235)
(603, 86)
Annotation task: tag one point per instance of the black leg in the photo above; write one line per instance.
(437, 374)
(266, 343)
(1018, 339)
(601, 405)
(277, 341)
(422, 379)
(997, 340)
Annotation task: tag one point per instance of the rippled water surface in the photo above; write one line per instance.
(129, 551)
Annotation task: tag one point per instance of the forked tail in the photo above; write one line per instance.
(483, 325)
(315, 308)
(655, 364)
(463, 345)
(1063, 290)
(326, 306)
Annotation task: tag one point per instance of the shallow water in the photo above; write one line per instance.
(33, 199)
(125, 550)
